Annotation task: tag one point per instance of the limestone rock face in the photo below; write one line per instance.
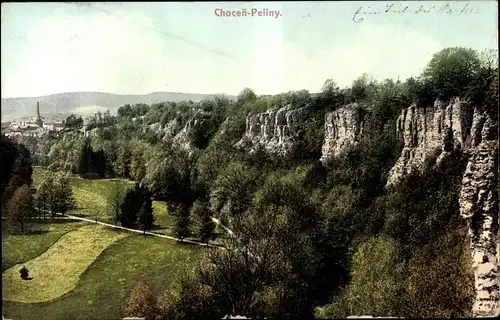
(170, 129)
(479, 206)
(343, 129)
(182, 137)
(428, 132)
(436, 131)
(275, 130)
(166, 132)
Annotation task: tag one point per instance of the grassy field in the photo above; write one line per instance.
(92, 198)
(104, 286)
(57, 270)
(87, 273)
(43, 234)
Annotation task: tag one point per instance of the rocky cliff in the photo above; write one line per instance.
(479, 206)
(343, 129)
(426, 132)
(276, 130)
(166, 132)
(436, 131)
(174, 131)
(182, 137)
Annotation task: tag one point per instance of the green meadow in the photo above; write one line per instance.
(82, 270)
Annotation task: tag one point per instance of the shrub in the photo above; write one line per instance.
(141, 302)
(24, 273)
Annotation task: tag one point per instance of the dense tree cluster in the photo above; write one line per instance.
(92, 162)
(73, 122)
(55, 195)
(15, 183)
(136, 209)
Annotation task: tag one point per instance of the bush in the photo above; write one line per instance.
(439, 280)
(141, 302)
(24, 273)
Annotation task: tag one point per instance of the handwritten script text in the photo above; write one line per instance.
(414, 9)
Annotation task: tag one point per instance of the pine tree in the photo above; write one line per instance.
(85, 158)
(24, 273)
(100, 163)
(131, 206)
(116, 200)
(146, 217)
(182, 224)
(207, 227)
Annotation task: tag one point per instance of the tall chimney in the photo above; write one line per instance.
(38, 109)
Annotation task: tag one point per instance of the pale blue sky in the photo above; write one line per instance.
(138, 48)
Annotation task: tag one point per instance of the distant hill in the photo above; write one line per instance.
(59, 106)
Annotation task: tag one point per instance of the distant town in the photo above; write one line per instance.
(36, 126)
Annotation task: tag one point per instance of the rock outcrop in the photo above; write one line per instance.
(479, 206)
(182, 137)
(166, 132)
(175, 133)
(343, 129)
(276, 130)
(437, 131)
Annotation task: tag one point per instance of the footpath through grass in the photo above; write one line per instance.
(57, 270)
(105, 285)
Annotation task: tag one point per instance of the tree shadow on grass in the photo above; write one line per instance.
(35, 232)
(49, 220)
(184, 243)
(157, 227)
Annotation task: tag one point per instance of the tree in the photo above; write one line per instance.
(84, 165)
(146, 217)
(98, 160)
(73, 122)
(330, 97)
(8, 154)
(363, 88)
(43, 194)
(141, 302)
(23, 164)
(131, 206)
(253, 260)
(232, 190)
(136, 208)
(376, 274)
(55, 194)
(206, 226)
(440, 282)
(14, 183)
(16, 161)
(451, 70)
(246, 95)
(24, 273)
(182, 223)
(62, 199)
(194, 301)
(115, 200)
(20, 206)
